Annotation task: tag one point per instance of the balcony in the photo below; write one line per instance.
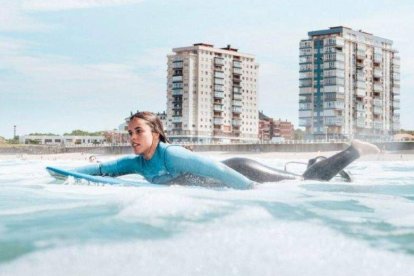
(177, 85)
(333, 65)
(219, 74)
(218, 61)
(177, 78)
(177, 92)
(396, 104)
(218, 81)
(360, 123)
(377, 110)
(359, 108)
(377, 125)
(237, 103)
(177, 119)
(218, 88)
(237, 71)
(177, 64)
(236, 79)
(305, 122)
(396, 118)
(237, 109)
(396, 76)
(305, 114)
(237, 89)
(377, 102)
(219, 95)
(237, 97)
(360, 92)
(377, 58)
(236, 122)
(332, 57)
(377, 73)
(218, 107)
(217, 121)
(396, 61)
(360, 54)
(396, 90)
(333, 121)
(237, 64)
(360, 84)
(377, 88)
(333, 105)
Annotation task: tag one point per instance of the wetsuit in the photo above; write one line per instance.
(172, 164)
(175, 164)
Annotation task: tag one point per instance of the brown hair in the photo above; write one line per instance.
(153, 122)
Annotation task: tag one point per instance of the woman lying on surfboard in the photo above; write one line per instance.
(162, 163)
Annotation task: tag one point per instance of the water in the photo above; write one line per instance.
(286, 228)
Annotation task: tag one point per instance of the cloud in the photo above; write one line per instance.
(59, 5)
(13, 19)
(76, 95)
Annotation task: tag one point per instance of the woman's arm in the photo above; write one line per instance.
(181, 160)
(125, 165)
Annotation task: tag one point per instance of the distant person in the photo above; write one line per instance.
(92, 159)
(162, 163)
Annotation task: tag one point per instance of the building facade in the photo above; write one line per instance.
(211, 95)
(66, 140)
(274, 130)
(349, 85)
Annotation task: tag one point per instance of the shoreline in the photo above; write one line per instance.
(383, 156)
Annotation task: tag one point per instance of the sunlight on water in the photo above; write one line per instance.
(290, 228)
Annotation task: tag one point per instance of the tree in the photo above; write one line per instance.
(299, 134)
(78, 132)
(43, 134)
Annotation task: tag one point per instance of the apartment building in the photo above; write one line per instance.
(211, 95)
(349, 84)
(276, 130)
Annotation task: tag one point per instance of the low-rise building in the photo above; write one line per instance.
(275, 130)
(61, 140)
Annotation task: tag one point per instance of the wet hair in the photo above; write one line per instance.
(153, 122)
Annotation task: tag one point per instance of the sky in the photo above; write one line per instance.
(86, 64)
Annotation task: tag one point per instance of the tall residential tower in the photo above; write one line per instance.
(211, 95)
(349, 85)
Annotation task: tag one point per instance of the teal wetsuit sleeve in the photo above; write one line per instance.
(126, 165)
(181, 160)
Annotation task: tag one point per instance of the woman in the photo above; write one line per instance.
(162, 163)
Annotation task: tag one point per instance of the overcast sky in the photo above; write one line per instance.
(86, 64)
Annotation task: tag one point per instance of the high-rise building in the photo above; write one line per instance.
(211, 95)
(349, 84)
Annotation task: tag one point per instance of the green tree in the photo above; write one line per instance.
(299, 134)
(43, 134)
(79, 132)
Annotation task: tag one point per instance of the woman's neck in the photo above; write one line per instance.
(148, 155)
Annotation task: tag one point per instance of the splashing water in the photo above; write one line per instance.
(289, 228)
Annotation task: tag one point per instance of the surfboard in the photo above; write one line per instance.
(61, 174)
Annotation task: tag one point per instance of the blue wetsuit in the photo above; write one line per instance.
(169, 164)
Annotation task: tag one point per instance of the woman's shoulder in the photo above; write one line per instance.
(129, 157)
(175, 149)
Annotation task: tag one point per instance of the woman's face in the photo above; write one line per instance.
(141, 136)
